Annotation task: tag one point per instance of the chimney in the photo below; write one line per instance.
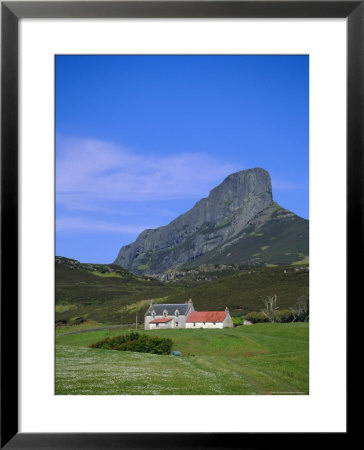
(151, 303)
(226, 310)
(190, 301)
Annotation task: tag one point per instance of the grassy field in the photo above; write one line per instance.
(256, 359)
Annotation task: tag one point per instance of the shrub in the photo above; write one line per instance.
(135, 342)
(256, 317)
(78, 320)
(283, 316)
(237, 321)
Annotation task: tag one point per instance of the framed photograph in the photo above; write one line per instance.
(181, 201)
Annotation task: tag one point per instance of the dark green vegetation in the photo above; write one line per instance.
(276, 236)
(136, 342)
(109, 294)
(280, 316)
(256, 317)
(102, 293)
(257, 359)
(244, 290)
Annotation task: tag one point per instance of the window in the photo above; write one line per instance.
(176, 313)
(214, 323)
(194, 324)
(153, 314)
(157, 325)
(176, 323)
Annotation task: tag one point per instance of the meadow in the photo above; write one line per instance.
(260, 359)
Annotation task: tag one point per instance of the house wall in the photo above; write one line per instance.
(228, 322)
(204, 325)
(152, 326)
(181, 319)
(162, 326)
(172, 324)
(147, 319)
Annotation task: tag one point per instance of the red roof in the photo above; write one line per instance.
(206, 316)
(162, 320)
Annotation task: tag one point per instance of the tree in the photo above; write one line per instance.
(270, 307)
(301, 311)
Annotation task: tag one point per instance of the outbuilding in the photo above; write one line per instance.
(210, 319)
(163, 322)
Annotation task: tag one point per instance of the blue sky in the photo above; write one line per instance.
(140, 139)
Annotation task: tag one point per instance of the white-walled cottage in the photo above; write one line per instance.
(160, 316)
(210, 319)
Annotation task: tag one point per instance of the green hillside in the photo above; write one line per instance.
(110, 294)
(244, 290)
(103, 293)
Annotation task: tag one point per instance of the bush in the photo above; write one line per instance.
(283, 316)
(256, 317)
(237, 321)
(78, 320)
(135, 342)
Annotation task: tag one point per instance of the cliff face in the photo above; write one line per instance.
(212, 221)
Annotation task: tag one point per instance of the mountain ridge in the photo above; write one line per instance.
(235, 209)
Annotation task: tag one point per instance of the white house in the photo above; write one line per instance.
(209, 319)
(160, 316)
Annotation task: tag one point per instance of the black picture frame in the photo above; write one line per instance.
(11, 12)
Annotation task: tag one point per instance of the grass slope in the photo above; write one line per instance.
(103, 293)
(91, 291)
(257, 359)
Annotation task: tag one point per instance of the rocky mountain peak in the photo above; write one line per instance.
(223, 214)
(244, 182)
(239, 187)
